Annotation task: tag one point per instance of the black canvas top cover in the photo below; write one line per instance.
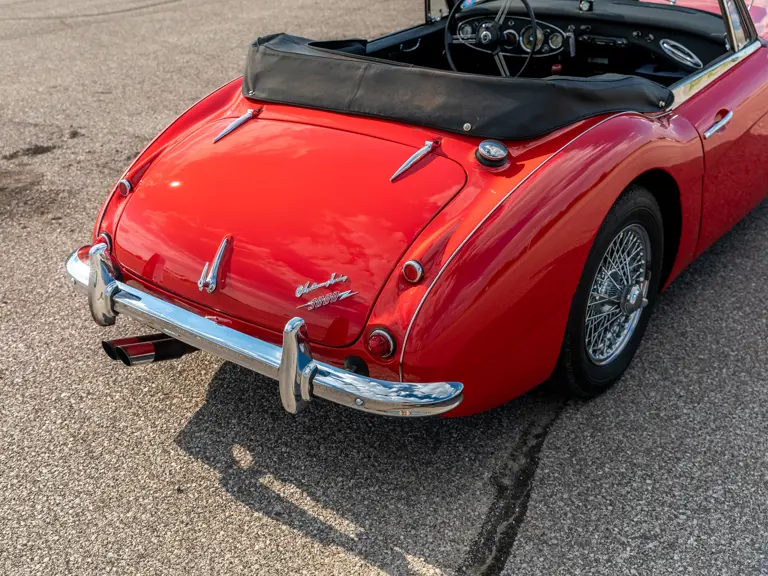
(291, 70)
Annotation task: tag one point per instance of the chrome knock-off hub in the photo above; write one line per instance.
(618, 295)
(633, 298)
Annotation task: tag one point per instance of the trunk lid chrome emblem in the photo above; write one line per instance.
(327, 299)
(312, 286)
(209, 280)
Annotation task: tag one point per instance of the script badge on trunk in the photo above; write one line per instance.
(326, 299)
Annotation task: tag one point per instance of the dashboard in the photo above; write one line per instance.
(515, 37)
(659, 42)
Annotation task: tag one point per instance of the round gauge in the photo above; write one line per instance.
(511, 38)
(465, 31)
(530, 41)
(556, 41)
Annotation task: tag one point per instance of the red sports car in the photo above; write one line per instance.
(440, 219)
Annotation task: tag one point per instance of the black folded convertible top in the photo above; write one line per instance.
(291, 70)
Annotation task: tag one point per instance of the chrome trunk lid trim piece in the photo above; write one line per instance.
(237, 123)
(429, 145)
(210, 280)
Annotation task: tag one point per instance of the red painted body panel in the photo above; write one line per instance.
(736, 178)
(276, 188)
(500, 309)
(502, 257)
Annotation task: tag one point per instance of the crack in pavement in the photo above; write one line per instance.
(513, 481)
(34, 150)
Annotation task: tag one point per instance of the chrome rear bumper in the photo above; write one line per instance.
(301, 377)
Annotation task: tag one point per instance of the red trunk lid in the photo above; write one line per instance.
(302, 204)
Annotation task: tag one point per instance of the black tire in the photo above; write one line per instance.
(582, 376)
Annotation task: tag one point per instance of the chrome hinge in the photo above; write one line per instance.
(237, 123)
(429, 145)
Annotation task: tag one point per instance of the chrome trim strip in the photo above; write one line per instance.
(718, 126)
(691, 85)
(730, 31)
(237, 123)
(746, 21)
(479, 225)
(301, 377)
(420, 153)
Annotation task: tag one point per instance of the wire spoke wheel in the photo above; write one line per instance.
(618, 295)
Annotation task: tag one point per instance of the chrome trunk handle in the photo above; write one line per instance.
(718, 126)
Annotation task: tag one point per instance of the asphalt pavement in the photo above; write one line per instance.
(192, 467)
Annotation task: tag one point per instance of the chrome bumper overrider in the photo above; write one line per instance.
(301, 377)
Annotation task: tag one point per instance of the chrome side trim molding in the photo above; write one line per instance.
(480, 224)
(691, 85)
(301, 377)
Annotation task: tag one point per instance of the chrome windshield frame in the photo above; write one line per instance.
(691, 85)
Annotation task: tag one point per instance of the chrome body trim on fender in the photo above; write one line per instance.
(301, 377)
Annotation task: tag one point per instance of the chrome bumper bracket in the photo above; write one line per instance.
(301, 378)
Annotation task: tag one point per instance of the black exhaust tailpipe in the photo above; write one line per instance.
(146, 349)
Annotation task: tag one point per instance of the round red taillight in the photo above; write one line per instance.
(413, 271)
(124, 187)
(381, 343)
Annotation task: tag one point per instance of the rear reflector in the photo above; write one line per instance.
(381, 343)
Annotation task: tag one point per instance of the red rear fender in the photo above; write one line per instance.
(495, 317)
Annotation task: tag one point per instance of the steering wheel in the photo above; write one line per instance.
(492, 33)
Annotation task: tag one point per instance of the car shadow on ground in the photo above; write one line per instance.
(399, 494)
(396, 493)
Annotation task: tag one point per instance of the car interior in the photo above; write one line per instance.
(660, 42)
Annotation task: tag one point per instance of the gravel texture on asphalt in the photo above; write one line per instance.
(192, 467)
